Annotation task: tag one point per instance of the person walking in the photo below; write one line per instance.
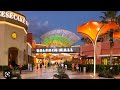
(62, 65)
(77, 68)
(37, 66)
(40, 65)
(28, 66)
(65, 67)
(20, 68)
(73, 66)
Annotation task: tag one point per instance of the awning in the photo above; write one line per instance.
(108, 55)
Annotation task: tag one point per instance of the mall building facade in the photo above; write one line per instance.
(13, 39)
(103, 53)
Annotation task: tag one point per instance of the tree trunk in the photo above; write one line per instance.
(110, 55)
(111, 44)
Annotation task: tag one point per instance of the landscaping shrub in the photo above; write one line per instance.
(2, 68)
(100, 68)
(61, 74)
(25, 67)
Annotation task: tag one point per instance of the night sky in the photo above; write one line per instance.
(41, 22)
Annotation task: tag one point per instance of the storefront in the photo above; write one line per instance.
(13, 42)
(90, 60)
(106, 60)
(103, 53)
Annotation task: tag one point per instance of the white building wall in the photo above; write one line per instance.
(6, 41)
(29, 50)
(2, 60)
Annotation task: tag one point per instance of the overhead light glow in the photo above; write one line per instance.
(14, 25)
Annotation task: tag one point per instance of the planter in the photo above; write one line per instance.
(16, 72)
(60, 76)
(106, 75)
(55, 77)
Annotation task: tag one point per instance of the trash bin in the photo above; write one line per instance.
(84, 69)
(80, 69)
(31, 67)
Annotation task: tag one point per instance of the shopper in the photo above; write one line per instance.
(37, 66)
(62, 65)
(77, 68)
(65, 67)
(40, 65)
(28, 66)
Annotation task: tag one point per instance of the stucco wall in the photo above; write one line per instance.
(7, 41)
(102, 48)
(106, 48)
(2, 44)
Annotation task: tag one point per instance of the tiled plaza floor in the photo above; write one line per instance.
(48, 74)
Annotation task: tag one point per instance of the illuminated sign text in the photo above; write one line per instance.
(14, 16)
(57, 50)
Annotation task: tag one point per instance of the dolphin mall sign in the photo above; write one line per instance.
(57, 50)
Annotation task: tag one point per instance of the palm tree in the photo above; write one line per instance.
(110, 16)
(104, 18)
(86, 40)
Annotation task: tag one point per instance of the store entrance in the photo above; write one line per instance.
(56, 54)
(12, 56)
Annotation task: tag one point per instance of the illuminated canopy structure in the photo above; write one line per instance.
(94, 29)
(59, 38)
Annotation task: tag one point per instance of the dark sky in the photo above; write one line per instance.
(41, 22)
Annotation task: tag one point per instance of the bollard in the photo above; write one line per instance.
(80, 69)
(84, 69)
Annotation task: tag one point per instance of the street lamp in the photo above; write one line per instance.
(93, 29)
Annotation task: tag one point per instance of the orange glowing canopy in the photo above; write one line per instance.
(107, 27)
(92, 28)
(83, 35)
(116, 35)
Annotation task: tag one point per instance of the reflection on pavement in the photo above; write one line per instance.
(47, 73)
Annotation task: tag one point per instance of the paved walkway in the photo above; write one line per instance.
(48, 74)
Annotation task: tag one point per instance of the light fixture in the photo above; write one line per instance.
(14, 35)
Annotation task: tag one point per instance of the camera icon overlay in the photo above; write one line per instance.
(7, 74)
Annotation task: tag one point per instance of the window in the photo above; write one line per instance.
(87, 61)
(105, 61)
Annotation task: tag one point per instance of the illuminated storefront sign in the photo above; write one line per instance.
(14, 16)
(57, 50)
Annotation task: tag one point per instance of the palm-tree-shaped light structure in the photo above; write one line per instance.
(111, 16)
(93, 29)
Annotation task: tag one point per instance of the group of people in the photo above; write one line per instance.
(64, 66)
(56, 65)
(75, 67)
(39, 66)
